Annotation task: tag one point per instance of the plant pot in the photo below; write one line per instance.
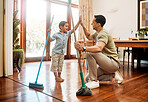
(18, 59)
(141, 36)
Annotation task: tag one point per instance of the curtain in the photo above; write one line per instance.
(85, 10)
(6, 35)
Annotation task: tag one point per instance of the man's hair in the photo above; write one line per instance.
(62, 23)
(100, 19)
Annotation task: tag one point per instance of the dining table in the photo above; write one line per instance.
(133, 44)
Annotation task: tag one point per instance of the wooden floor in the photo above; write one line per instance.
(15, 88)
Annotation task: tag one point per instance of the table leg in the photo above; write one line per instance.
(138, 58)
(133, 57)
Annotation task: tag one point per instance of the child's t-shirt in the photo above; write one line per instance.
(61, 41)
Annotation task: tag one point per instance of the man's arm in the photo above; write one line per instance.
(87, 33)
(76, 26)
(94, 49)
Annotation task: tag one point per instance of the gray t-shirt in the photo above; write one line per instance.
(61, 41)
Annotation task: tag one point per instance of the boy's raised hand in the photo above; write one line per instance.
(49, 30)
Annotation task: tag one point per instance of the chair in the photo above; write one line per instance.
(117, 47)
(128, 50)
(83, 54)
(140, 54)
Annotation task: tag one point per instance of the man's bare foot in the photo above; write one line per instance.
(59, 79)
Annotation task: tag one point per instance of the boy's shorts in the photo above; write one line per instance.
(57, 62)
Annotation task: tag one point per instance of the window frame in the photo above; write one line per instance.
(138, 26)
(48, 18)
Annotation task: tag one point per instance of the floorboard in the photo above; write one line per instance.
(15, 88)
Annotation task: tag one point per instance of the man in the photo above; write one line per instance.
(103, 54)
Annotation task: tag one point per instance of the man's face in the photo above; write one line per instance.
(65, 28)
(95, 24)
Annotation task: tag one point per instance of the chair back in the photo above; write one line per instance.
(89, 43)
(133, 38)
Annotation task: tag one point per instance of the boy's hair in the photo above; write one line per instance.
(62, 23)
(100, 19)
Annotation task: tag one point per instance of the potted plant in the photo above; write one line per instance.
(142, 32)
(18, 52)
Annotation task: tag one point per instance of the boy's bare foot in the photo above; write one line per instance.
(59, 79)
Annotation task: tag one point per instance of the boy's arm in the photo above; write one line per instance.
(87, 33)
(50, 40)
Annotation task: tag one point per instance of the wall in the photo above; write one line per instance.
(121, 16)
(1, 38)
(8, 36)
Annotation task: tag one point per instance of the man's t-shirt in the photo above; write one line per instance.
(109, 49)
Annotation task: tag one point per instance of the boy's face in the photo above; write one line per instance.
(65, 28)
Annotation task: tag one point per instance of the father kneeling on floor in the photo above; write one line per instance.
(102, 58)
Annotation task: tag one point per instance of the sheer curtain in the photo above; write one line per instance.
(6, 35)
(85, 9)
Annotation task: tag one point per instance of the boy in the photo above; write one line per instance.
(59, 48)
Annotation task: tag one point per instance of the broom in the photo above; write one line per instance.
(84, 90)
(36, 85)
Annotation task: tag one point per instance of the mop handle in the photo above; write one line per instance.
(73, 26)
(44, 50)
(81, 73)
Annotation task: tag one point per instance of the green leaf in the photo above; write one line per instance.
(16, 30)
(16, 41)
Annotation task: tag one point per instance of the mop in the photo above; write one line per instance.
(84, 90)
(36, 85)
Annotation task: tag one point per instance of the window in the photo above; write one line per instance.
(35, 28)
(75, 13)
(36, 16)
(64, 0)
(72, 1)
(75, 2)
(60, 14)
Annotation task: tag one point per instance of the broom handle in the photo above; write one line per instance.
(44, 50)
(78, 55)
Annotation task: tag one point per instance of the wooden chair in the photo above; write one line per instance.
(128, 50)
(117, 47)
(82, 54)
(139, 54)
